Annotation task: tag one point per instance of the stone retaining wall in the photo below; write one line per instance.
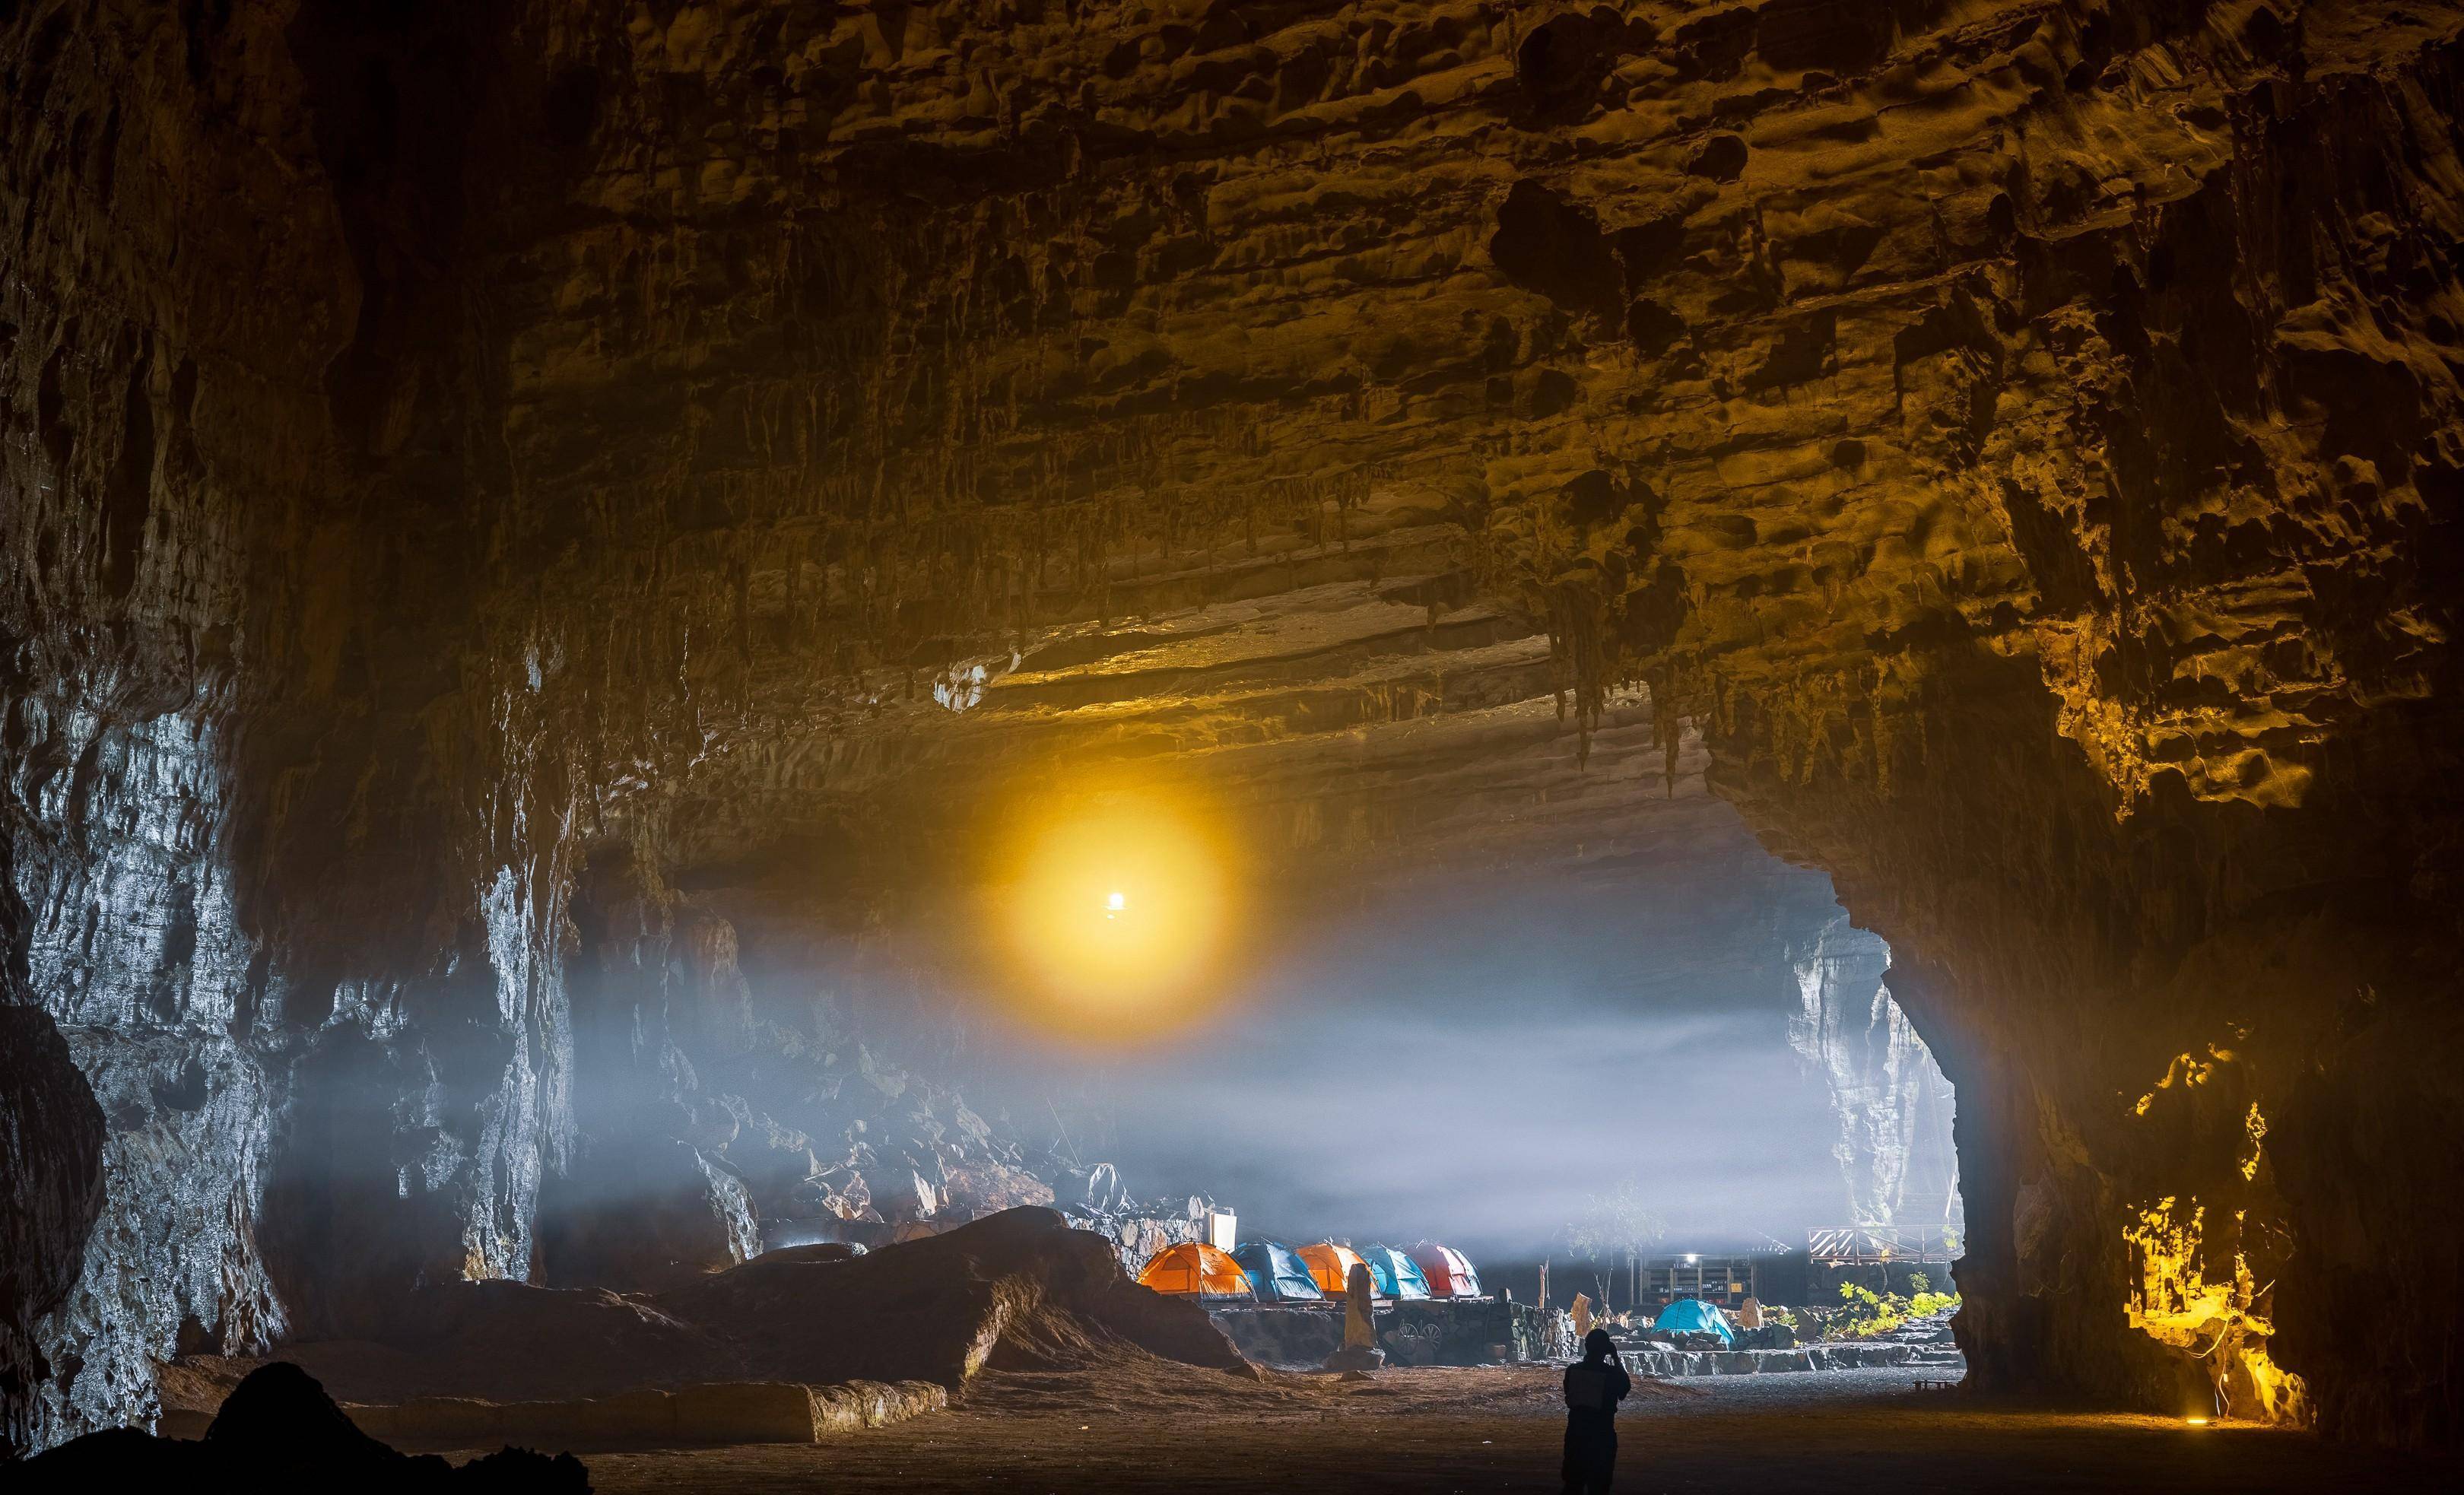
(1764, 1362)
(1468, 1331)
(740, 1412)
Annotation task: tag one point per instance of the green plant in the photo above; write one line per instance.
(1865, 1314)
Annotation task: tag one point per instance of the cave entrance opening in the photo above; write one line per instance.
(1645, 1077)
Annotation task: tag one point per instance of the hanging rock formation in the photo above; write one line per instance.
(441, 446)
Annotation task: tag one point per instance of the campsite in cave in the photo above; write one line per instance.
(1222, 745)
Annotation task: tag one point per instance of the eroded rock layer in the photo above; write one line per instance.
(448, 449)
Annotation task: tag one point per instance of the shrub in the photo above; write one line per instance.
(1865, 1314)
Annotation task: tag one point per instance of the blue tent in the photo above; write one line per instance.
(1694, 1316)
(1275, 1274)
(1397, 1275)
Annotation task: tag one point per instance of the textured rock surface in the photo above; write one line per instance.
(714, 1126)
(1892, 1100)
(442, 445)
(51, 1154)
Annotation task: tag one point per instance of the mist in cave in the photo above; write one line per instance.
(1477, 1067)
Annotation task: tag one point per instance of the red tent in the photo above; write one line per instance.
(1449, 1271)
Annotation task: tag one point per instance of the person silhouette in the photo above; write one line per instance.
(1593, 1387)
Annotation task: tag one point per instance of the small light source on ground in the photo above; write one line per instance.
(2197, 1422)
(1115, 904)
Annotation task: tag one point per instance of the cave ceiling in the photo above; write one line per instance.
(1425, 371)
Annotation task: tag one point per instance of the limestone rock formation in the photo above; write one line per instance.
(1892, 1101)
(2010, 446)
(715, 1128)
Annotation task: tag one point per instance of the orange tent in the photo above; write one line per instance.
(1329, 1266)
(1196, 1268)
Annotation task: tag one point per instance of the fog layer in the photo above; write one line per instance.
(1475, 1061)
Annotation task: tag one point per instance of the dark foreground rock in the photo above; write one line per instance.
(279, 1431)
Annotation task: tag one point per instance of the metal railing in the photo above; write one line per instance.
(1838, 1245)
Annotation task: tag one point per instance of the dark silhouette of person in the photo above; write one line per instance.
(1594, 1385)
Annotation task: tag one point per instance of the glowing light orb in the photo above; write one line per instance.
(1114, 911)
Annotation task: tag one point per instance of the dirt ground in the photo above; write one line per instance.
(1081, 1433)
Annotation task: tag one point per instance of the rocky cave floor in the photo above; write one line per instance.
(1170, 1428)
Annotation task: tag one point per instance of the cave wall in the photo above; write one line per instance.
(2181, 1125)
(443, 444)
(125, 598)
(265, 801)
(51, 1142)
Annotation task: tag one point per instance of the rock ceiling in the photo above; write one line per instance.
(1751, 348)
(2020, 438)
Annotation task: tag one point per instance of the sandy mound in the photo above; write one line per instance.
(1016, 1290)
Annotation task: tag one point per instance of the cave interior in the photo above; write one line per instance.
(529, 528)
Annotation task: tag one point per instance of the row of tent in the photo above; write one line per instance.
(1269, 1272)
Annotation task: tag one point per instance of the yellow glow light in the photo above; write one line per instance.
(2197, 1422)
(2256, 1126)
(1114, 907)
